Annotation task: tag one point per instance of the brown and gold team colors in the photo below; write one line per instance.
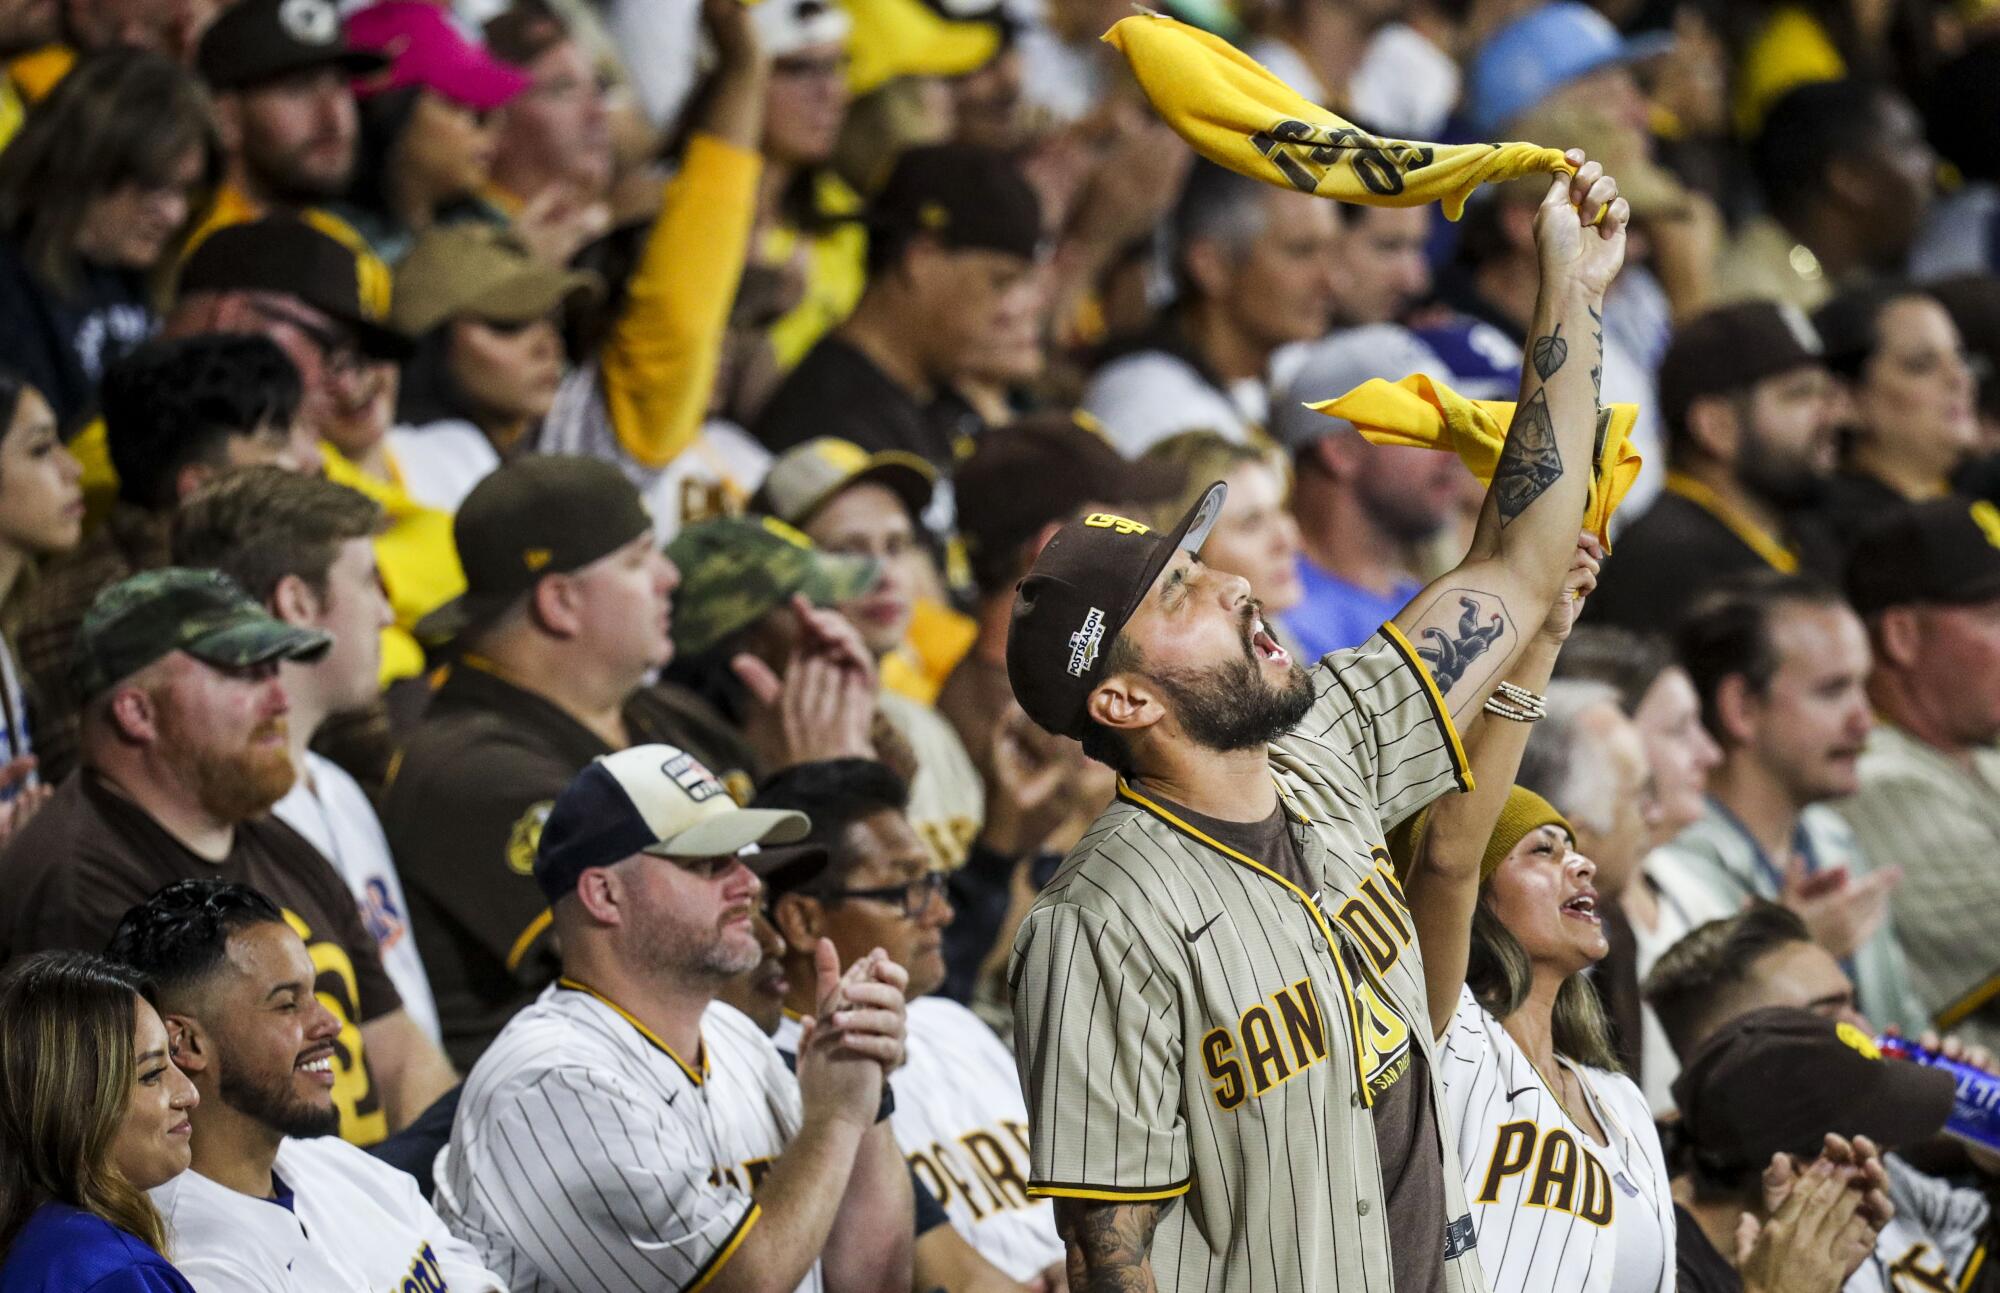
(1230, 1018)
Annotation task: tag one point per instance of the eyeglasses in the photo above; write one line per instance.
(915, 897)
(338, 351)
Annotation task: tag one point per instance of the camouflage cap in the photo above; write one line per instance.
(737, 569)
(202, 612)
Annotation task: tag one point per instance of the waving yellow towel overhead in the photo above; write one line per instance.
(1425, 414)
(1236, 114)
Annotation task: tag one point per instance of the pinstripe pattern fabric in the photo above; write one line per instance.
(1553, 1209)
(1190, 1027)
(587, 1158)
(1941, 824)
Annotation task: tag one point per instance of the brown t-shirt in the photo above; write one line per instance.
(1406, 1129)
(463, 811)
(91, 854)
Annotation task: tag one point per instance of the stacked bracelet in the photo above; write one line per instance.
(1516, 703)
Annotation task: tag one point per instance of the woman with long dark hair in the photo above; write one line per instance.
(93, 1113)
(1564, 1171)
(103, 179)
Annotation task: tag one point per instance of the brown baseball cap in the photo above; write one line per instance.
(1086, 583)
(482, 272)
(1778, 1080)
(1027, 474)
(545, 514)
(1944, 552)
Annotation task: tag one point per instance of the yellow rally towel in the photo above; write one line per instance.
(1425, 414)
(1236, 114)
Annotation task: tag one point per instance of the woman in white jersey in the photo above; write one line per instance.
(1562, 1165)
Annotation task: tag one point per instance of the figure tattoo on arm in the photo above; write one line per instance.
(1448, 654)
(1110, 1244)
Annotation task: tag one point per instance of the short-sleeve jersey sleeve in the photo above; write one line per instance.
(1096, 1026)
(1378, 713)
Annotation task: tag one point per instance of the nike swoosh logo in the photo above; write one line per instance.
(1193, 934)
(670, 1099)
(1515, 1095)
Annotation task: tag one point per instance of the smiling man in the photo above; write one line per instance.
(1219, 1009)
(274, 1200)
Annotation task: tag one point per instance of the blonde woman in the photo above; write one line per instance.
(1256, 536)
(93, 1113)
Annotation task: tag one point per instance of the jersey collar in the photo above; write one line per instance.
(694, 1075)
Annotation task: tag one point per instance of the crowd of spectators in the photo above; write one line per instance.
(435, 434)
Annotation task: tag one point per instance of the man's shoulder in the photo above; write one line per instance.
(474, 746)
(1114, 873)
(835, 389)
(322, 1164)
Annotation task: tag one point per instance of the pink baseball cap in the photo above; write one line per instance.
(425, 50)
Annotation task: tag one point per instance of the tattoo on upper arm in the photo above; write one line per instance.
(1530, 461)
(1109, 1243)
(1448, 654)
(1549, 353)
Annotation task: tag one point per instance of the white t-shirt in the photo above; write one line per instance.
(355, 1225)
(329, 808)
(441, 461)
(962, 1123)
(587, 1155)
(1144, 397)
(1552, 1208)
(1405, 85)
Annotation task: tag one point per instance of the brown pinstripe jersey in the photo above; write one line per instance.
(1192, 1027)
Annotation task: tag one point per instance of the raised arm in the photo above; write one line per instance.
(1471, 625)
(1443, 881)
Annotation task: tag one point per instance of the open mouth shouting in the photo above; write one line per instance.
(1264, 646)
(1583, 906)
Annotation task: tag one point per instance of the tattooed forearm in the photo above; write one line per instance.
(1530, 462)
(1549, 353)
(1109, 1244)
(1596, 369)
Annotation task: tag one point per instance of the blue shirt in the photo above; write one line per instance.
(67, 1250)
(1335, 615)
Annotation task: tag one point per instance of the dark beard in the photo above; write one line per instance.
(1231, 707)
(1787, 486)
(276, 1106)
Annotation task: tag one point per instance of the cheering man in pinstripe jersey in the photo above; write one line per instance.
(1220, 1010)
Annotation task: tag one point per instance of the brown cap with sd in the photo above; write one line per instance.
(1085, 585)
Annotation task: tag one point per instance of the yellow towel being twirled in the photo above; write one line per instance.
(1421, 413)
(1236, 114)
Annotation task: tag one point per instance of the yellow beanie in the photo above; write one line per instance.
(1525, 811)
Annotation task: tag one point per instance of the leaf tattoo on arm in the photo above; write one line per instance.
(1530, 461)
(1549, 353)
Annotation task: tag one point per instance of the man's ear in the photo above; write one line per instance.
(1126, 702)
(1898, 635)
(1713, 427)
(134, 716)
(553, 602)
(294, 601)
(1737, 708)
(191, 477)
(192, 1050)
(799, 920)
(1208, 265)
(602, 895)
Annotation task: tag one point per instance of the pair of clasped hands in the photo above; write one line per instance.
(854, 1038)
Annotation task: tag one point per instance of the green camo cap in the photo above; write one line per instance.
(737, 569)
(202, 612)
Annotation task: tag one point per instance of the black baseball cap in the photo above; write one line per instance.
(1086, 583)
(545, 514)
(659, 800)
(967, 198)
(1045, 468)
(292, 255)
(1731, 349)
(1945, 551)
(1778, 1080)
(261, 40)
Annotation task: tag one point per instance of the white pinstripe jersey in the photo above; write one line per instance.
(1190, 1024)
(1555, 1211)
(588, 1158)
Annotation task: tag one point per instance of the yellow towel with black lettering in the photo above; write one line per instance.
(1236, 114)
(1421, 413)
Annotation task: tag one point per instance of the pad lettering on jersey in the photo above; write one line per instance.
(1275, 1043)
(1377, 921)
(745, 1176)
(1909, 1274)
(425, 1275)
(1567, 1177)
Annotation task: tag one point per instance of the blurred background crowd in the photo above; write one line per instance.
(577, 374)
